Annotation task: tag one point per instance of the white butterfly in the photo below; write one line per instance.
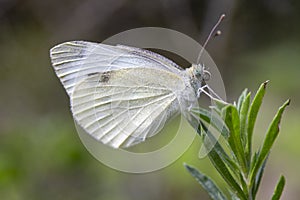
(121, 95)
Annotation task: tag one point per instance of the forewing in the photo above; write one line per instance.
(124, 107)
(76, 60)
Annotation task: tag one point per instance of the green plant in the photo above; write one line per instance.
(234, 159)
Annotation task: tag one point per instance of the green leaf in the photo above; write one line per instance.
(254, 159)
(244, 184)
(211, 140)
(232, 121)
(223, 170)
(211, 117)
(219, 164)
(243, 117)
(214, 192)
(256, 103)
(279, 189)
(241, 99)
(272, 134)
(258, 179)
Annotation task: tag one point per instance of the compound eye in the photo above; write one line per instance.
(206, 75)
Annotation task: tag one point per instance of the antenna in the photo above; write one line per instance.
(210, 35)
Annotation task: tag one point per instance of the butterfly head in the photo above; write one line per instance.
(202, 73)
(198, 75)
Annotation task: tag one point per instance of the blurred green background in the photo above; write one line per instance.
(41, 156)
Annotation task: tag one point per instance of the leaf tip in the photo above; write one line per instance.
(282, 178)
(265, 83)
(286, 103)
(186, 166)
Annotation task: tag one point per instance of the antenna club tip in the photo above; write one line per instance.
(218, 33)
(223, 16)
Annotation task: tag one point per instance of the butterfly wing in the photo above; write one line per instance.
(124, 107)
(76, 60)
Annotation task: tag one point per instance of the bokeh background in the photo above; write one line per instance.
(41, 156)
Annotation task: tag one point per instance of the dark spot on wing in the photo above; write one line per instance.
(94, 73)
(105, 76)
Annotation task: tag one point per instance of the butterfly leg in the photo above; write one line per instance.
(211, 93)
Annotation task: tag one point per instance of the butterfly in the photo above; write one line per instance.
(121, 95)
